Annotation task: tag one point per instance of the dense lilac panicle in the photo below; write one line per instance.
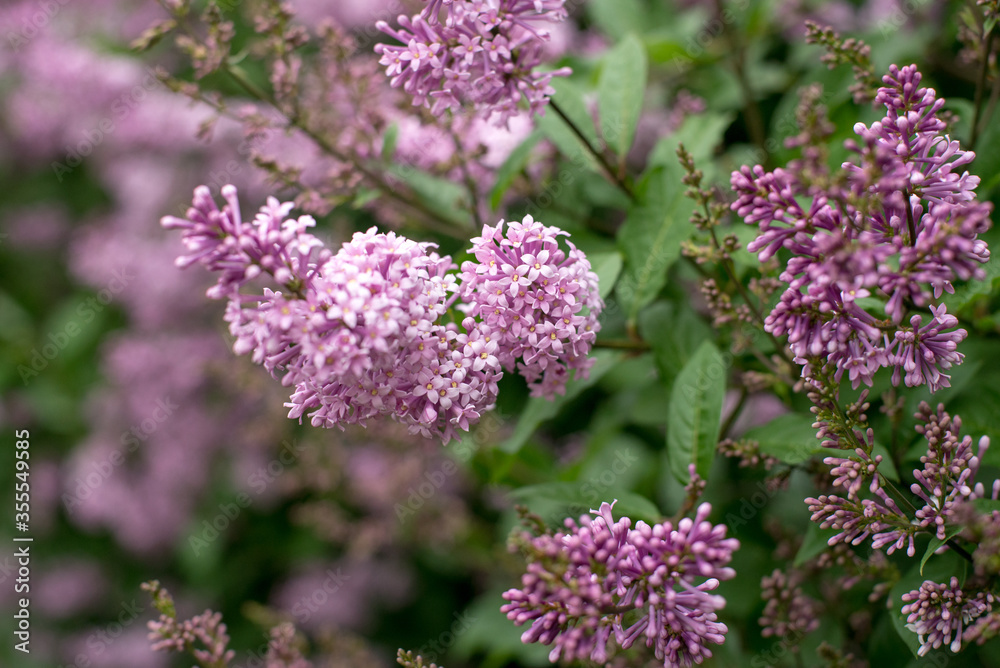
(580, 584)
(356, 334)
(541, 303)
(937, 613)
(485, 53)
(901, 226)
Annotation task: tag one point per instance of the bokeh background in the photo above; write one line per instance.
(157, 453)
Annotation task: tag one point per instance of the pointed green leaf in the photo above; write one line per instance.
(540, 409)
(652, 235)
(570, 101)
(695, 412)
(607, 266)
(512, 166)
(936, 543)
(620, 93)
(790, 437)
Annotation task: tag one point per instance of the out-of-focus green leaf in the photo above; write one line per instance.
(607, 266)
(652, 235)
(445, 198)
(815, 543)
(987, 163)
(700, 134)
(674, 332)
(512, 166)
(617, 18)
(554, 501)
(695, 412)
(790, 437)
(621, 90)
(540, 409)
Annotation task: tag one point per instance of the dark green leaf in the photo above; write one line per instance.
(815, 543)
(539, 409)
(695, 412)
(674, 332)
(555, 501)
(936, 543)
(790, 437)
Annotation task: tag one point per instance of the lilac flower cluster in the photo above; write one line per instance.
(945, 483)
(901, 225)
(205, 630)
(583, 583)
(937, 613)
(484, 53)
(541, 303)
(359, 334)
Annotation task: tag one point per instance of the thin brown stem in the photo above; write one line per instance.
(609, 169)
(378, 180)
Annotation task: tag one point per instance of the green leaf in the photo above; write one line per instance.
(617, 18)
(695, 412)
(674, 332)
(570, 101)
(790, 437)
(651, 236)
(699, 133)
(607, 266)
(512, 166)
(937, 543)
(555, 501)
(389, 142)
(987, 163)
(815, 543)
(986, 505)
(620, 93)
(445, 198)
(540, 409)
(972, 290)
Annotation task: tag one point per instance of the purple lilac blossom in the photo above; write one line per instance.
(902, 229)
(484, 53)
(356, 333)
(945, 484)
(937, 613)
(581, 583)
(541, 303)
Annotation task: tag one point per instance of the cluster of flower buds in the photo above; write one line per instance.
(362, 332)
(601, 579)
(483, 53)
(867, 249)
(946, 481)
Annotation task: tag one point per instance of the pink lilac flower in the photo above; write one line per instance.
(357, 334)
(582, 583)
(903, 226)
(541, 303)
(484, 53)
(937, 613)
